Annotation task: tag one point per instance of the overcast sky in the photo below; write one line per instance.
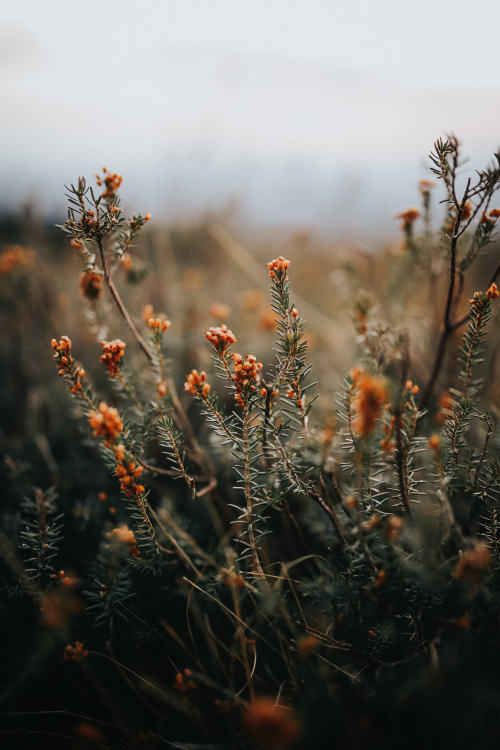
(302, 109)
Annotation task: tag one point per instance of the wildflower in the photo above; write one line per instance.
(278, 268)
(492, 291)
(495, 213)
(112, 354)
(221, 337)
(246, 375)
(102, 496)
(408, 218)
(126, 261)
(446, 405)
(106, 423)
(91, 284)
(14, 256)
(307, 644)
(467, 211)
(425, 186)
(183, 681)
(273, 727)
(473, 563)
(368, 402)
(62, 353)
(111, 182)
(267, 320)
(127, 473)
(124, 535)
(161, 389)
(394, 526)
(409, 386)
(434, 443)
(75, 653)
(219, 310)
(76, 243)
(196, 384)
(147, 217)
(157, 322)
(380, 579)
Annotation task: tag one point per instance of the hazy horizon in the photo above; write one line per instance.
(308, 114)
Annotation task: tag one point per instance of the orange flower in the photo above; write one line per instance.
(157, 322)
(495, 213)
(106, 423)
(434, 443)
(14, 256)
(473, 563)
(91, 284)
(161, 389)
(124, 535)
(221, 337)
(467, 211)
(425, 186)
(112, 354)
(246, 375)
(127, 472)
(110, 181)
(196, 384)
(273, 727)
(492, 291)
(368, 403)
(278, 268)
(408, 218)
(219, 310)
(75, 653)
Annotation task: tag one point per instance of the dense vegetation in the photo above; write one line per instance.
(209, 548)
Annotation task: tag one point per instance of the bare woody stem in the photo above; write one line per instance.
(248, 495)
(196, 454)
(448, 326)
(119, 303)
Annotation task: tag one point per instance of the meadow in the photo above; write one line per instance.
(251, 494)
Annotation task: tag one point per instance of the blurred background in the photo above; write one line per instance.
(277, 113)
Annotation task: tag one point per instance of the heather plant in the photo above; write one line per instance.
(271, 576)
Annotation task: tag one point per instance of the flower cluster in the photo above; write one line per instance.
(112, 354)
(75, 653)
(66, 363)
(106, 423)
(221, 337)
(127, 472)
(62, 353)
(123, 535)
(278, 268)
(246, 375)
(371, 395)
(408, 218)
(196, 384)
(492, 291)
(91, 284)
(157, 322)
(14, 256)
(274, 727)
(183, 681)
(473, 563)
(111, 182)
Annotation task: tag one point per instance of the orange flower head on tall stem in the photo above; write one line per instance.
(196, 384)
(278, 268)
(368, 402)
(91, 284)
(408, 218)
(221, 337)
(106, 423)
(112, 354)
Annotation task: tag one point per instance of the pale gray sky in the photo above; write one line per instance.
(295, 107)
